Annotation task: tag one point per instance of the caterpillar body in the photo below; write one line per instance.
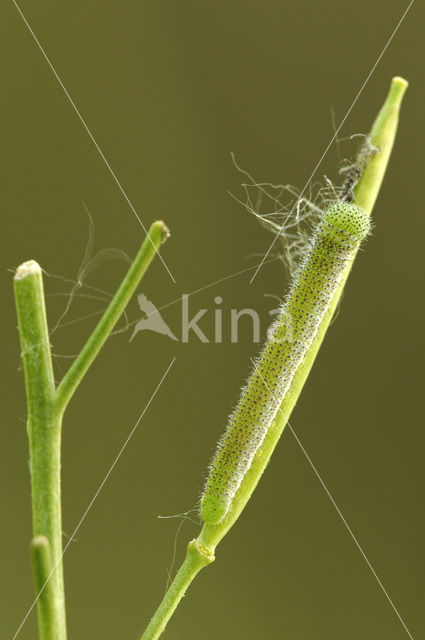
(334, 243)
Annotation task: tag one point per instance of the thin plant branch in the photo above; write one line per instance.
(158, 233)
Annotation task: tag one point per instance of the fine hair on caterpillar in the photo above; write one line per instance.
(334, 243)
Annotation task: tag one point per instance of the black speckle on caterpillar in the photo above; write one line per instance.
(334, 243)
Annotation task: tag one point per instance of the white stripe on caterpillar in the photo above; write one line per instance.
(335, 242)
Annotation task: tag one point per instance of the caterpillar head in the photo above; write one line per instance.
(347, 218)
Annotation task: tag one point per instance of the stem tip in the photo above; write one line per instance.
(162, 227)
(39, 542)
(400, 81)
(397, 89)
(28, 268)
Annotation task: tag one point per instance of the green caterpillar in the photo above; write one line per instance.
(335, 241)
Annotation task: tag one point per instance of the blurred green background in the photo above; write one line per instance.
(169, 90)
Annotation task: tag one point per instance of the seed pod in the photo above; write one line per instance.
(335, 242)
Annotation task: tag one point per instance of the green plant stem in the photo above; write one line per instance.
(196, 558)
(45, 411)
(48, 622)
(44, 433)
(382, 136)
(158, 233)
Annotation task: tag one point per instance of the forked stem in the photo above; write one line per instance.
(46, 406)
